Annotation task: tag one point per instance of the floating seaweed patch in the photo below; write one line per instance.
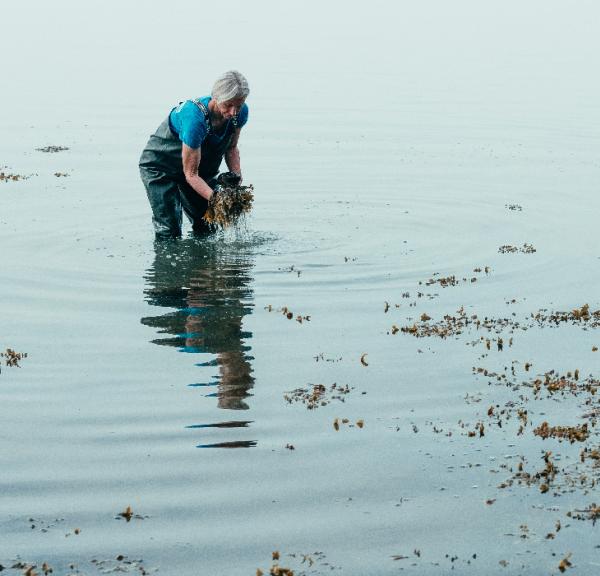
(543, 478)
(591, 453)
(289, 269)
(444, 282)
(128, 514)
(12, 358)
(479, 431)
(339, 422)
(315, 395)
(448, 326)
(288, 313)
(30, 569)
(583, 312)
(8, 177)
(453, 325)
(553, 383)
(122, 564)
(525, 249)
(400, 557)
(578, 316)
(565, 563)
(561, 474)
(52, 149)
(228, 205)
(592, 512)
(320, 357)
(43, 525)
(452, 280)
(302, 561)
(570, 433)
(430, 296)
(549, 385)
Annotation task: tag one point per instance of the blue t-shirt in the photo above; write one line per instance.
(188, 122)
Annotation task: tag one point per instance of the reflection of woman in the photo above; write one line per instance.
(209, 288)
(181, 161)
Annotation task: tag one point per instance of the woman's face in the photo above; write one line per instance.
(230, 108)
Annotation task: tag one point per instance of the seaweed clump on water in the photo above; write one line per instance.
(228, 205)
(525, 249)
(318, 395)
(571, 433)
(12, 358)
(52, 149)
(6, 177)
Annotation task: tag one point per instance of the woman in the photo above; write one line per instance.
(180, 163)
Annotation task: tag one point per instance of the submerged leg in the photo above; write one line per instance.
(163, 195)
(194, 207)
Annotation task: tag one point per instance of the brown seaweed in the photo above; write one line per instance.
(229, 204)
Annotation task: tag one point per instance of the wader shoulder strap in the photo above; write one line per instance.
(204, 111)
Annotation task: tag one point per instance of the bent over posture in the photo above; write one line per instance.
(181, 161)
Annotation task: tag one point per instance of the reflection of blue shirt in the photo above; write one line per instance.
(188, 122)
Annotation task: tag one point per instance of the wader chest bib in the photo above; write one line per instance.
(161, 169)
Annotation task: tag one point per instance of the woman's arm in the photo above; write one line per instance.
(232, 154)
(191, 160)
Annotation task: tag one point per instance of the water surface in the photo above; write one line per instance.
(386, 147)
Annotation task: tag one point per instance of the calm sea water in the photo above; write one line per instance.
(389, 145)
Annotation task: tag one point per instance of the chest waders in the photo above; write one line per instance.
(161, 169)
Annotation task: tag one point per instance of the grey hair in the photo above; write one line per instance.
(230, 85)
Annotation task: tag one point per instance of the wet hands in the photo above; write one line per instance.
(229, 179)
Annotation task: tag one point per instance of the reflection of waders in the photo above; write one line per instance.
(161, 168)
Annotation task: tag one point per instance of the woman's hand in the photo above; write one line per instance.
(229, 178)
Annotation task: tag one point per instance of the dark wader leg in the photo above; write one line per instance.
(163, 195)
(161, 171)
(195, 206)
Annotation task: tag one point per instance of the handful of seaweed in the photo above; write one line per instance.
(228, 205)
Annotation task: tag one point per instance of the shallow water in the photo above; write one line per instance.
(387, 149)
